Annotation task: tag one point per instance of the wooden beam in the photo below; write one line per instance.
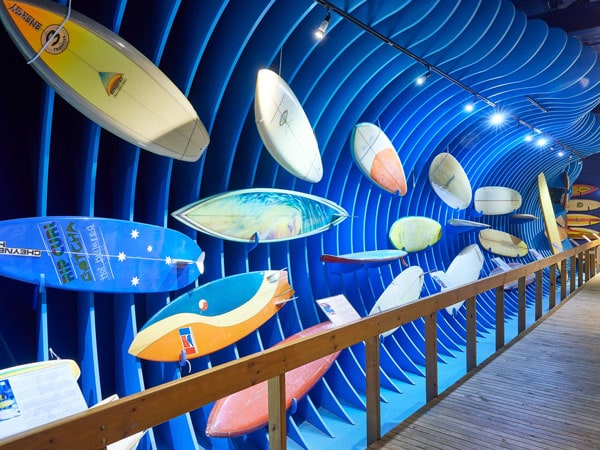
(563, 279)
(471, 334)
(373, 390)
(431, 356)
(522, 307)
(539, 290)
(276, 398)
(572, 264)
(552, 293)
(499, 317)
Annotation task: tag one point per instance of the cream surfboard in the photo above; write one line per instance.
(285, 129)
(464, 268)
(377, 158)
(414, 233)
(405, 288)
(496, 200)
(105, 78)
(449, 181)
(582, 204)
(502, 243)
(549, 216)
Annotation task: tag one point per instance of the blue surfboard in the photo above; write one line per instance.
(98, 254)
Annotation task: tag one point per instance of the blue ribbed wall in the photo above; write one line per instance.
(57, 162)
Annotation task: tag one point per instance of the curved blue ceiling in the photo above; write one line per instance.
(56, 162)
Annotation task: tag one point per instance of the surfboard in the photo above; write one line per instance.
(376, 157)
(578, 220)
(212, 316)
(414, 233)
(530, 278)
(247, 410)
(582, 205)
(98, 254)
(502, 243)
(464, 226)
(263, 215)
(523, 218)
(105, 78)
(285, 129)
(496, 200)
(549, 216)
(580, 232)
(464, 268)
(449, 181)
(579, 190)
(405, 288)
(357, 260)
(40, 365)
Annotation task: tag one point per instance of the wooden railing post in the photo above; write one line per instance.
(592, 263)
(521, 309)
(471, 333)
(572, 263)
(588, 265)
(539, 291)
(579, 269)
(552, 293)
(563, 279)
(276, 398)
(499, 317)
(431, 369)
(373, 390)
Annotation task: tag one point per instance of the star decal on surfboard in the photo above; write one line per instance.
(135, 234)
(135, 281)
(121, 256)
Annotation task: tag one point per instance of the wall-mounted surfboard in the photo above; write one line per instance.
(464, 268)
(263, 215)
(285, 129)
(582, 204)
(449, 181)
(523, 218)
(376, 157)
(247, 410)
(580, 232)
(580, 190)
(581, 220)
(357, 260)
(414, 233)
(464, 226)
(106, 78)
(212, 316)
(98, 254)
(549, 216)
(496, 200)
(502, 243)
(405, 288)
(513, 284)
(40, 365)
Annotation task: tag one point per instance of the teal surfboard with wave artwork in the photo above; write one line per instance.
(261, 215)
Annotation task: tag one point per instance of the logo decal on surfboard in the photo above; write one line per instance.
(113, 82)
(58, 39)
(4, 250)
(188, 342)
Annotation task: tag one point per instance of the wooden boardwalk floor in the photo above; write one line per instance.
(542, 391)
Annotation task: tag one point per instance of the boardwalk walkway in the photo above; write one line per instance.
(542, 391)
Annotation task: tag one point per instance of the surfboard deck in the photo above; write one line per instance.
(449, 181)
(405, 288)
(464, 226)
(464, 268)
(263, 215)
(549, 216)
(247, 410)
(496, 200)
(212, 316)
(98, 254)
(582, 204)
(285, 129)
(376, 157)
(414, 233)
(502, 243)
(106, 78)
(353, 261)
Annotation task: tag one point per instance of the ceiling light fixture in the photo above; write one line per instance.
(421, 79)
(536, 104)
(320, 32)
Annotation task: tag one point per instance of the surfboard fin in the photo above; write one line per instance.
(255, 242)
(283, 302)
(42, 286)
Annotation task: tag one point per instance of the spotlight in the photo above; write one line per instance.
(541, 141)
(497, 118)
(320, 32)
(528, 138)
(421, 80)
(561, 153)
(469, 107)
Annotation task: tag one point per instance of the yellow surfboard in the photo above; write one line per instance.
(549, 217)
(105, 78)
(581, 220)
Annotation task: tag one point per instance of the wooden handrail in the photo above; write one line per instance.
(100, 426)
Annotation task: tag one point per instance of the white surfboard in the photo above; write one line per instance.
(106, 79)
(464, 268)
(405, 288)
(285, 129)
(376, 157)
(449, 181)
(496, 200)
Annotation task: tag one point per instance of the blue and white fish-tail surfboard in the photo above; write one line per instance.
(98, 254)
(261, 215)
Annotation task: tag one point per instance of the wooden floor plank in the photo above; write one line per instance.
(541, 391)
